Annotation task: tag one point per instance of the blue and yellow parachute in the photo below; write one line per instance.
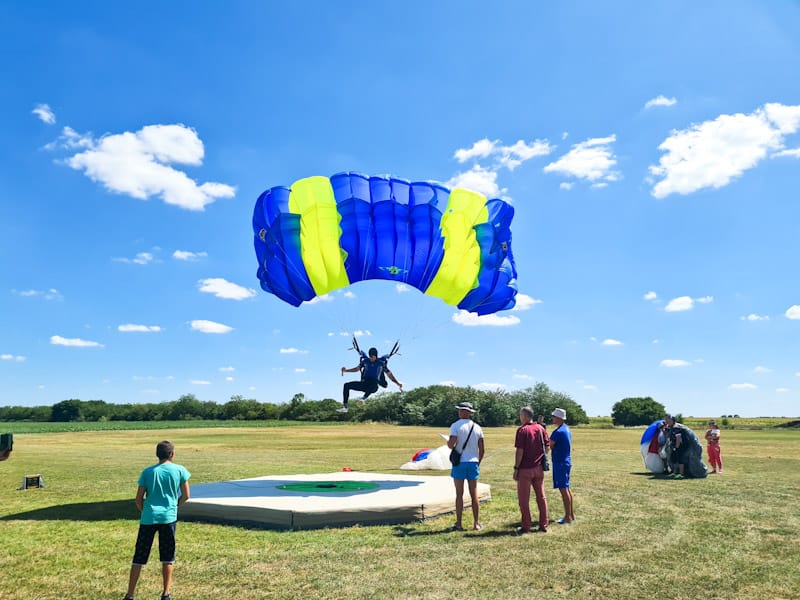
(322, 234)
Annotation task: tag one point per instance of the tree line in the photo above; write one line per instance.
(432, 405)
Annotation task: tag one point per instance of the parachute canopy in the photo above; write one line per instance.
(322, 234)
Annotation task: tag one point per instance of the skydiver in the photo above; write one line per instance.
(374, 371)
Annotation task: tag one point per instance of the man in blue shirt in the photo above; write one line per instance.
(561, 445)
(162, 488)
(374, 371)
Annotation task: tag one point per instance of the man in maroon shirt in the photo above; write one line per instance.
(531, 442)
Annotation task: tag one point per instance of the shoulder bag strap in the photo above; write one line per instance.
(466, 440)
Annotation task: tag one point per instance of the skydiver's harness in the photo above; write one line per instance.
(383, 360)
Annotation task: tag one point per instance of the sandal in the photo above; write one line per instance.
(477, 527)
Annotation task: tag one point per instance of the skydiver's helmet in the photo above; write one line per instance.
(373, 352)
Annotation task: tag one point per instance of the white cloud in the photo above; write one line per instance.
(683, 303)
(525, 302)
(480, 149)
(187, 255)
(226, 369)
(671, 363)
(591, 160)
(51, 294)
(711, 154)
(489, 387)
(469, 319)
(652, 296)
(762, 370)
(318, 299)
(611, 342)
(591, 387)
(12, 358)
(300, 370)
(522, 376)
(229, 378)
(200, 382)
(478, 179)
(782, 390)
(222, 288)
(204, 326)
(402, 288)
(660, 100)
(680, 304)
(565, 185)
(142, 258)
(138, 164)
(348, 294)
(754, 317)
(45, 114)
(362, 333)
(448, 383)
(57, 340)
(793, 312)
(293, 351)
(138, 328)
(792, 152)
(742, 386)
(509, 157)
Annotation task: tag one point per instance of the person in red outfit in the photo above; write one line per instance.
(714, 453)
(531, 443)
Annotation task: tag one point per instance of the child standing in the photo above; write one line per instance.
(162, 488)
(714, 452)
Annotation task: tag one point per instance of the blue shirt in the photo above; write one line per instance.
(163, 485)
(372, 369)
(562, 437)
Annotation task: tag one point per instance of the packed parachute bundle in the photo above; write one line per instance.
(322, 234)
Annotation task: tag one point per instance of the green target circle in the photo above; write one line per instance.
(327, 487)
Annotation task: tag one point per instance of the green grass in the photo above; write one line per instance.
(729, 536)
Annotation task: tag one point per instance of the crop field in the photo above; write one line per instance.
(728, 536)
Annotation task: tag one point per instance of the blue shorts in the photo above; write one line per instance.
(561, 476)
(466, 470)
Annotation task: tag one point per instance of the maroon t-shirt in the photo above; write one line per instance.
(531, 437)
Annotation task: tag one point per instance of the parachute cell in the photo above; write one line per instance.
(322, 234)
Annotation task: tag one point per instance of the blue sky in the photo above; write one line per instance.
(651, 151)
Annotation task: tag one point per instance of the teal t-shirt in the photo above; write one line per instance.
(163, 484)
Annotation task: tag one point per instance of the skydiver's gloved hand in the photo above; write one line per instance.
(343, 369)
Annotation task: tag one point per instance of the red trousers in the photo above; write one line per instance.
(526, 479)
(715, 457)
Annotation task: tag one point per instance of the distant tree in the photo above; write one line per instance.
(544, 401)
(67, 410)
(185, 408)
(636, 411)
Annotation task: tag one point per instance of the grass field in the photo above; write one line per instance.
(729, 536)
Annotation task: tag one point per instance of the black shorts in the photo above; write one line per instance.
(166, 543)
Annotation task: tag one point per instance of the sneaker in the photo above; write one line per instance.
(521, 531)
(679, 476)
(341, 410)
(713, 473)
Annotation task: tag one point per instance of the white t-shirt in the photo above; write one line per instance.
(461, 429)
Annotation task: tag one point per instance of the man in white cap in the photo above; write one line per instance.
(561, 445)
(466, 436)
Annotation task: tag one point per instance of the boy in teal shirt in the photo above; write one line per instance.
(162, 488)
